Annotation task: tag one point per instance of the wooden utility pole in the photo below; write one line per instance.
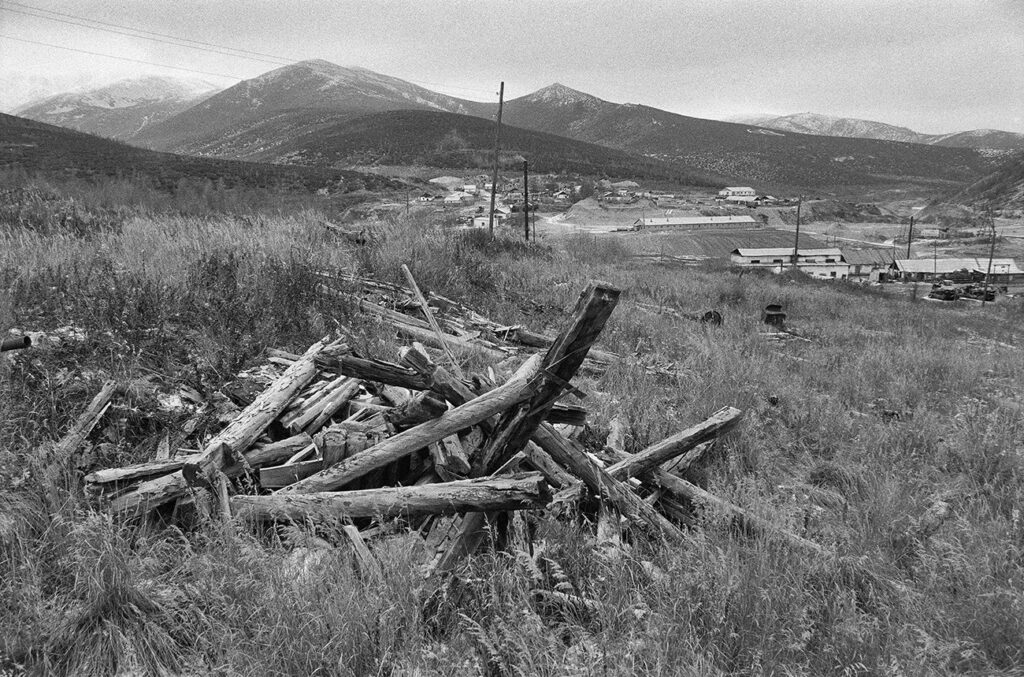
(796, 243)
(497, 144)
(991, 254)
(910, 235)
(526, 199)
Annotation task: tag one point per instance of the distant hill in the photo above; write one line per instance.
(1002, 190)
(38, 147)
(759, 155)
(425, 137)
(120, 110)
(314, 85)
(827, 125)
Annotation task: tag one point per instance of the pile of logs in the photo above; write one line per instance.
(335, 438)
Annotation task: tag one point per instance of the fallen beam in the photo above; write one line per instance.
(523, 492)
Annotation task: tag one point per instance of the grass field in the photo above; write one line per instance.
(893, 437)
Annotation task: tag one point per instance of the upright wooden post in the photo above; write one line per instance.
(910, 235)
(497, 145)
(796, 242)
(526, 199)
(991, 254)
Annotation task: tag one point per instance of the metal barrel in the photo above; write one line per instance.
(15, 343)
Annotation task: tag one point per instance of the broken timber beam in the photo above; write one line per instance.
(560, 364)
(528, 491)
(653, 456)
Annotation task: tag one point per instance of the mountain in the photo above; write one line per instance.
(425, 137)
(308, 85)
(827, 125)
(119, 110)
(38, 147)
(764, 157)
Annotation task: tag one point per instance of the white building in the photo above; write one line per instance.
(738, 192)
(695, 222)
(826, 264)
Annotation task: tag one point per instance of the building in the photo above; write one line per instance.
(469, 188)
(871, 265)
(695, 222)
(958, 269)
(827, 264)
(737, 194)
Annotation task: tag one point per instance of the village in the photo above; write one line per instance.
(734, 224)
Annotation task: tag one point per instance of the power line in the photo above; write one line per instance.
(223, 50)
(220, 51)
(121, 58)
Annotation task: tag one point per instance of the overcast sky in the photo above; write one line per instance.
(932, 65)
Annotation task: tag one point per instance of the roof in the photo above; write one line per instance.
(693, 220)
(860, 257)
(926, 265)
(738, 188)
(786, 251)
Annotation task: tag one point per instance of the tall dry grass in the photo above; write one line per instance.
(894, 437)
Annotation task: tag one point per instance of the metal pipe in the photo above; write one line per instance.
(15, 343)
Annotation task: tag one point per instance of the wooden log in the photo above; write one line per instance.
(524, 492)
(254, 419)
(560, 364)
(332, 404)
(368, 565)
(601, 483)
(440, 381)
(308, 407)
(427, 337)
(516, 390)
(425, 307)
(656, 454)
(376, 371)
(83, 425)
(679, 488)
(275, 477)
(134, 472)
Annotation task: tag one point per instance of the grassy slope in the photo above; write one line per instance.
(35, 146)
(894, 437)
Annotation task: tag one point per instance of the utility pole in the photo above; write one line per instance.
(497, 144)
(796, 243)
(526, 199)
(910, 235)
(991, 254)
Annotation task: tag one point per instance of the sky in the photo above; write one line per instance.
(935, 66)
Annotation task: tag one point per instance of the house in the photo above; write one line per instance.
(469, 189)
(870, 265)
(695, 222)
(737, 194)
(484, 220)
(456, 198)
(1003, 270)
(826, 264)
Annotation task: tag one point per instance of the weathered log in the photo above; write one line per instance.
(86, 421)
(601, 483)
(277, 476)
(427, 337)
(438, 378)
(720, 422)
(679, 488)
(424, 407)
(309, 406)
(516, 390)
(368, 565)
(134, 472)
(254, 419)
(523, 492)
(425, 307)
(560, 364)
(332, 404)
(376, 371)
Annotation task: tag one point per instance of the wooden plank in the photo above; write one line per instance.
(425, 307)
(528, 491)
(134, 472)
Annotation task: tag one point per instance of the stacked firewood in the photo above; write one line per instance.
(336, 438)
